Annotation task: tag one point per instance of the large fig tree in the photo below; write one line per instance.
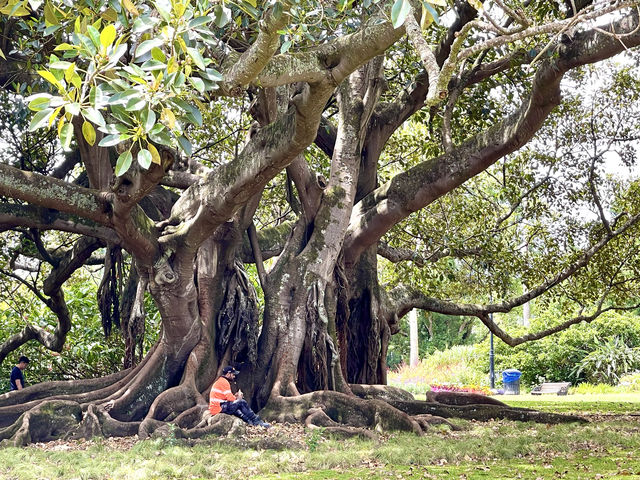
(159, 180)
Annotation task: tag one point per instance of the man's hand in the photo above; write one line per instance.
(239, 395)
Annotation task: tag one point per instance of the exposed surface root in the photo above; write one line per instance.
(97, 422)
(49, 389)
(484, 412)
(380, 392)
(426, 421)
(319, 419)
(341, 409)
(48, 421)
(461, 398)
(221, 425)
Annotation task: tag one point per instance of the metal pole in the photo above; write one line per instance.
(492, 374)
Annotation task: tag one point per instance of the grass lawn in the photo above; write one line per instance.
(605, 448)
(603, 403)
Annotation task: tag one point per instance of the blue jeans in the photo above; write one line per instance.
(241, 409)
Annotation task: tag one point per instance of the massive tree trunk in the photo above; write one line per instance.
(327, 320)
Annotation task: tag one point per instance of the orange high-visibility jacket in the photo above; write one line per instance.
(220, 392)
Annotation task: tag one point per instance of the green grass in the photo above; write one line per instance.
(607, 403)
(493, 450)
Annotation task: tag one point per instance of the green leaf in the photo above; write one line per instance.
(148, 118)
(197, 83)
(185, 145)
(94, 35)
(151, 65)
(108, 36)
(65, 46)
(196, 22)
(161, 137)
(144, 158)
(196, 57)
(50, 77)
(285, 46)
(223, 15)
(50, 16)
(399, 12)
(158, 55)
(39, 101)
(123, 163)
(60, 65)
(89, 133)
(66, 134)
(147, 45)
(111, 140)
(135, 104)
(164, 9)
(72, 108)
(40, 119)
(144, 23)
(433, 12)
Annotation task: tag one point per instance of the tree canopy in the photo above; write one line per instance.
(190, 146)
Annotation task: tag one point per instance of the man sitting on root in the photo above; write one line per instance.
(222, 400)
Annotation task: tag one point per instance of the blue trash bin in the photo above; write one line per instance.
(511, 381)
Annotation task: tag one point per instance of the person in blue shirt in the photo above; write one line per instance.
(17, 379)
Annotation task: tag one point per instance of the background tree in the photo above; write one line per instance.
(126, 85)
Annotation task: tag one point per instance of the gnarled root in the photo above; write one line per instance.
(380, 392)
(484, 412)
(221, 425)
(344, 410)
(48, 421)
(462, 398)
(97, 422)
(319, 419)
(426, 421)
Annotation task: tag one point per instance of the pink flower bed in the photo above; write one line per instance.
(455, 388)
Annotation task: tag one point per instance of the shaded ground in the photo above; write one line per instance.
(606, 448)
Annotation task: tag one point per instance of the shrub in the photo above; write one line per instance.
(555, 358)
(458, 365)
(608, 362)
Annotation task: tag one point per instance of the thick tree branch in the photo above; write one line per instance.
(55, 194)
(333, 61)
(13, 215)
(246, 68)
(407, 298)
(421, 185)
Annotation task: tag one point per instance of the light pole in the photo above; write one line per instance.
(492, 373)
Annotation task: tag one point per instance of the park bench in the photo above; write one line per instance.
(561, 388)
